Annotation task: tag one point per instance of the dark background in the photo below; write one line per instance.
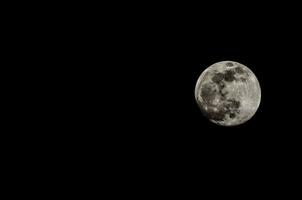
(105, 94)
(151, 66)
(156, 125)
(123, 84)
(157, 131)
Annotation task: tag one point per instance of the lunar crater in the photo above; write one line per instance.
(229, 75)
(239, 70)
(229, 64)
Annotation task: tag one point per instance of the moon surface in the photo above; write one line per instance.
(228, 93)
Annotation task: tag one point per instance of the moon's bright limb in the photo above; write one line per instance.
(228, 93)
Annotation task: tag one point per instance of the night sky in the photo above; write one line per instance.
(141, 88)
(164, 64)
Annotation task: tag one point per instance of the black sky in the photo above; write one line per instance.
(136, 73)
(159, 68)
(119, 93)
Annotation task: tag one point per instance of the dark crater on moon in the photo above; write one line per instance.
(232, 115)
(229, 76)
(233, 104)
(239, 70)
(218, 77)
(229, 64)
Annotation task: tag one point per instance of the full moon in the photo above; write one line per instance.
(228, 93)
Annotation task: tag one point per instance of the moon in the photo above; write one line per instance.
(228, 93)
